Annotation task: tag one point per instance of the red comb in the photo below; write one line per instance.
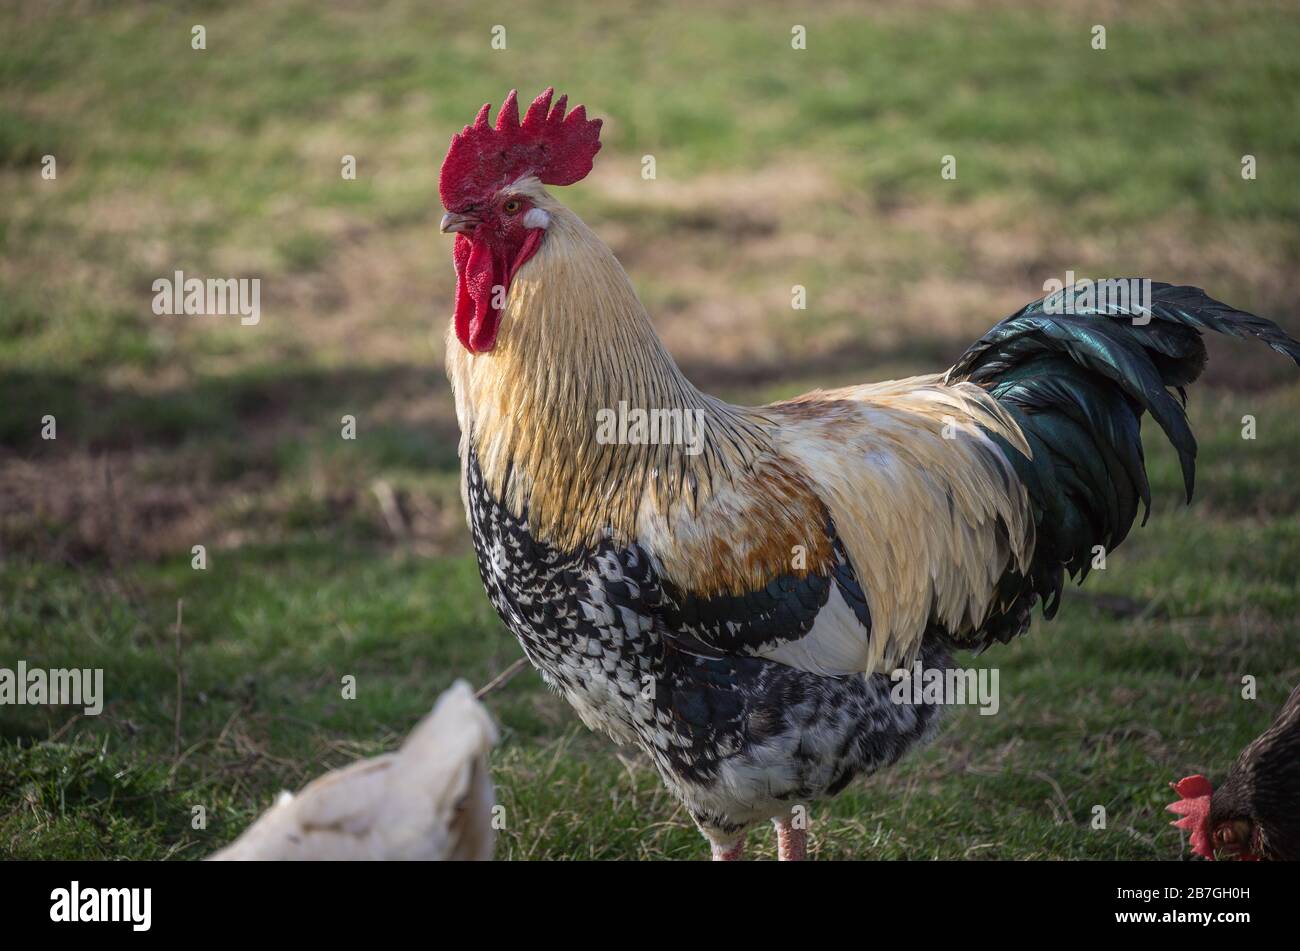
(1194, 807)
(558, 149)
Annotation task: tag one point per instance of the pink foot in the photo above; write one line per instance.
(791, 842)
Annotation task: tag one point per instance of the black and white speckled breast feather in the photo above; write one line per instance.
(737, 737)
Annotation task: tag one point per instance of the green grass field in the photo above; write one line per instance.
(775, 167)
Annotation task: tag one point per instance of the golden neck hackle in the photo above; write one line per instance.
(575, 341)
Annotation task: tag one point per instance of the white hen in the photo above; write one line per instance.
(430, 800)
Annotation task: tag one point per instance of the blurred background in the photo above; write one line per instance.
(774, 167)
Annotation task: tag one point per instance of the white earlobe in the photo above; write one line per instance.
(536, 218)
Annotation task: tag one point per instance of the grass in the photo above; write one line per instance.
(775, 167)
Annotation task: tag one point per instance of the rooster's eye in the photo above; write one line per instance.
(512, 206)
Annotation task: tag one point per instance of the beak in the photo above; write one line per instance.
(457, 223)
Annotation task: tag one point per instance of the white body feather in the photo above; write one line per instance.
(430, 800)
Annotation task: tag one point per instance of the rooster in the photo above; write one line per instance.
(1255, 814)
(733, 604)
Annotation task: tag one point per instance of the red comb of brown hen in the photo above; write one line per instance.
(558, 149)
(1194, 807)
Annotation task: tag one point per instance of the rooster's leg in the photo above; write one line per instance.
(791, 840)
(728, 853)
(725, 847)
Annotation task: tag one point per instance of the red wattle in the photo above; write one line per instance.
(478, 274)
(477, 321)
